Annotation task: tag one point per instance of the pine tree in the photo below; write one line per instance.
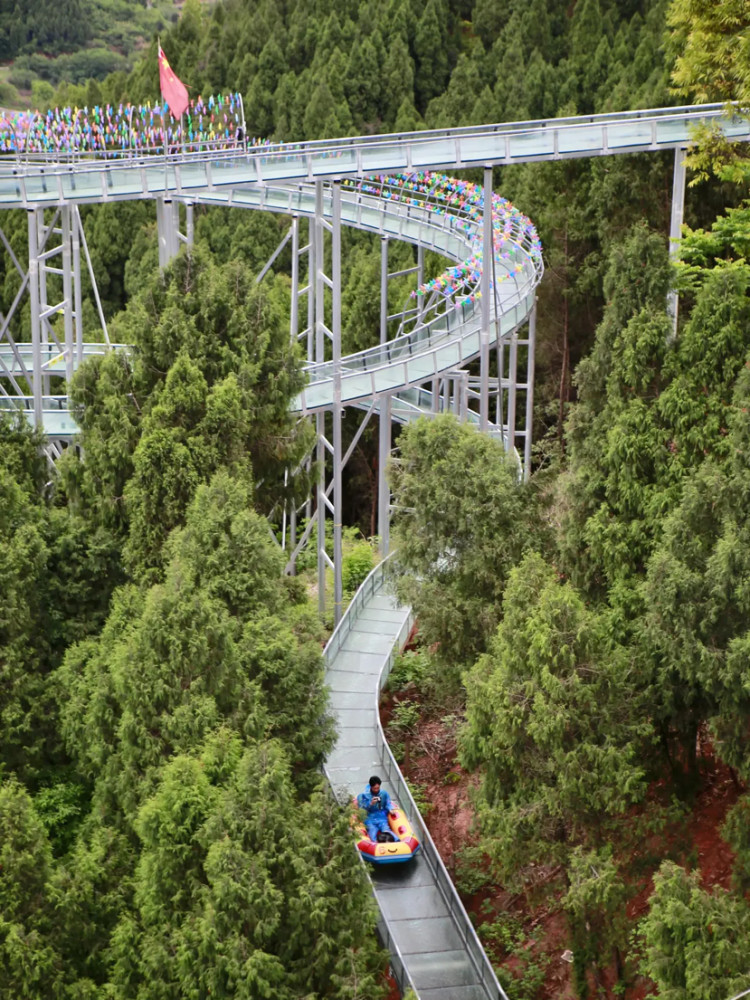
(431, 52)
(30, 966)
(466, 525)
(547, 726)
(695, 942)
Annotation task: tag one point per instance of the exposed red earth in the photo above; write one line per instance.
(431, 766)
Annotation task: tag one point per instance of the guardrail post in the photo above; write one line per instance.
(675, 226)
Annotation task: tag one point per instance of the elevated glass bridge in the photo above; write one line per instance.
(34, 181)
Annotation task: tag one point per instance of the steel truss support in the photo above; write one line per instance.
(53, 282)
(675, 226)
(325, 335)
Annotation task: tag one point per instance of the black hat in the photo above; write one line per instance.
(375, 780)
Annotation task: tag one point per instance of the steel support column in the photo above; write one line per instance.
(316, 242)
(167, 229)
(310, 343)
(499, 410)
(77, 296)
(486, 281)
(293, 332)
(294, 310)
(675, 226)
(420, 281)
(67, 278)
(530, 361)
(383, 289)
(384, 430)
(36, 331)
(512, 382)
(384, 493)
(338, 454)
(44, 246)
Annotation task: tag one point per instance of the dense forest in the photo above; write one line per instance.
(165, 831)
(44, 42)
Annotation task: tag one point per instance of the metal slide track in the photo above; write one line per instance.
(434, 947)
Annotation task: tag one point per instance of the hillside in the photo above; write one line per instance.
(43, 44)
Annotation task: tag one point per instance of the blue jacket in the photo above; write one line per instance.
(365, 801)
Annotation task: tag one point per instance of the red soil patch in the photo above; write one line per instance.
(393, 991)
(430, 762)
(717, 796)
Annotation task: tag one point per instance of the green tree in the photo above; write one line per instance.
(695, 941)
(711, 45)
(223, 641)
(559, 753)
(92, 888)
(463, 520)
(224, 905)
(24, 664)
(398, 79)
(595, 903)
(30, 966)
(431, 50)
(363, 84)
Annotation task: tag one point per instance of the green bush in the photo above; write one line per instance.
(409, 668)
(356, 565)
(8, 95)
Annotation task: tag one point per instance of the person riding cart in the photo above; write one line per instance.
(377, 804)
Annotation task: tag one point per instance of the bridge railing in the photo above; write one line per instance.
(25, 403)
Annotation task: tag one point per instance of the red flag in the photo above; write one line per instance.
(173, 90)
